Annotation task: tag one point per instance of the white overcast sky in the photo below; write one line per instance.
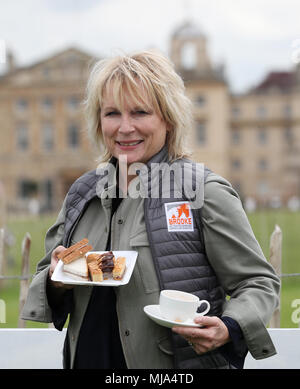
(251, 37)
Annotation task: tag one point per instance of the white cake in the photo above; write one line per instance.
(77, 269)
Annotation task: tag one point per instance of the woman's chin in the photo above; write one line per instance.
(129, 158)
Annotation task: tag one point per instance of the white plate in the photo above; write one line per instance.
(131, 256)
(153, 311)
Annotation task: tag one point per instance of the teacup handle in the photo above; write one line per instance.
(206, 310)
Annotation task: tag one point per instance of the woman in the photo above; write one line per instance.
(139, 116)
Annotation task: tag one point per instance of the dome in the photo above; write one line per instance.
(188, 30)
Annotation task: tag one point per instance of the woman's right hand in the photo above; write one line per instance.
(53, 264)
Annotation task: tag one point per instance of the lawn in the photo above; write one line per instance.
(262, 222)
(37, 228)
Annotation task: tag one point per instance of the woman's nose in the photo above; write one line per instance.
(126, 125)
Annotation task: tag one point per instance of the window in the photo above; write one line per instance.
(47, 104)
(73, 103)
(48, 136)
(46, 71)
(288, 135)
(27, 189)
(287, 111)
(261, 111)
(262, 136)
(236, 112)
(262, 164)
(200, 100)
(201, 133)
(47, 189)
(189, 56)
(236, 137)
(73, 136)
(236, 164)
(22, 136)
(21, 105)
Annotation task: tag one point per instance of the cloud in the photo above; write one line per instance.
(72, 5)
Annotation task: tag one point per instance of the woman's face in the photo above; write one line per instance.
(136, 130)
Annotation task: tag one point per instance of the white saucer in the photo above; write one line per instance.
(153, 312)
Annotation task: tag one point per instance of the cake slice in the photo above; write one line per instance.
(72, 248)
(119, 268)
(77, 269)
(106, 263)
(75, 251)
(95, 272)
(94, 257)
(75, 254)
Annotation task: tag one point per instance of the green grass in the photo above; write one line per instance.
(263, 223)
(10, 290)
(37, 228)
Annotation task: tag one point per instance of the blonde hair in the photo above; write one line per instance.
(164, 87)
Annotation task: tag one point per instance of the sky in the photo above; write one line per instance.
(250, 37)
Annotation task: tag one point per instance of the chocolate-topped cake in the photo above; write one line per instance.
(106, 263)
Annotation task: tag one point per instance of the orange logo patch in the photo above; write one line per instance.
(179, 216)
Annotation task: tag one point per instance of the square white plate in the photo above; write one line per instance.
(65, 278)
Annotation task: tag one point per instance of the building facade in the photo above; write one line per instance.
(252, 139)
(43, 142)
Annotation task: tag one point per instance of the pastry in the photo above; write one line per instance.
(119, 268)
(77, 269)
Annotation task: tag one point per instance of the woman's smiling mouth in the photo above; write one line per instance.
(129, 143)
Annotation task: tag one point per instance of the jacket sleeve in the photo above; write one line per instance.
(246, 276)
(37, 306)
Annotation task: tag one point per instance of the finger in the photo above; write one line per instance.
(187, 332)
(184, 331)
(61, 285)
(207, 321)
(58, 250)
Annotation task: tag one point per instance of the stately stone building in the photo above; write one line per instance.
(252, 139)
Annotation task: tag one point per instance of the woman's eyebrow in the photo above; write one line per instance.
(109, 108)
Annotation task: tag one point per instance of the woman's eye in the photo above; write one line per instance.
(111, 113)
(141, 112)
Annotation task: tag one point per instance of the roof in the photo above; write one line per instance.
(281, 80)
(69, 52)
(54, 64)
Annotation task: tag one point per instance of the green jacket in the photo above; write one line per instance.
(232, 250)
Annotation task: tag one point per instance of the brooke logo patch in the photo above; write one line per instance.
(179, 216)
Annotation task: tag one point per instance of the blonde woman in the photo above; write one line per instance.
(139, 116)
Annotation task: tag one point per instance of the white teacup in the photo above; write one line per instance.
(180, 306)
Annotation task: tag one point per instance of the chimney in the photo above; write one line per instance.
(10, 61)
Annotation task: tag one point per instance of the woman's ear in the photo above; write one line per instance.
(168, 127)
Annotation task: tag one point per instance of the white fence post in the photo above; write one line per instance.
(275, 260)
(24, 282)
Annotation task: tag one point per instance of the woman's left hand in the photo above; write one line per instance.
(213, 335)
